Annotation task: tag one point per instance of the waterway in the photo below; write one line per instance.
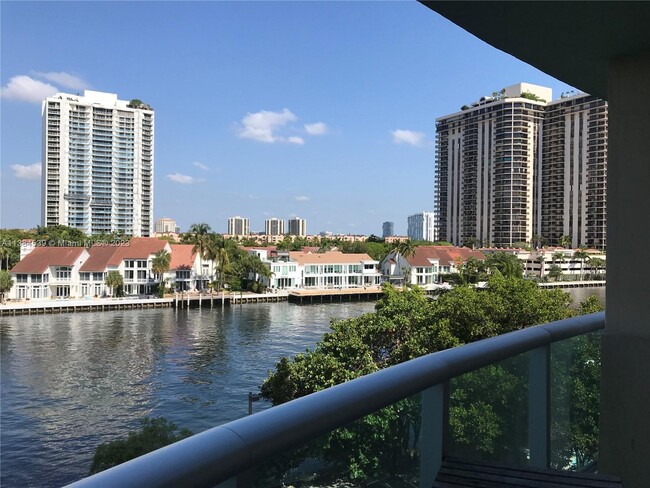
(70, 382)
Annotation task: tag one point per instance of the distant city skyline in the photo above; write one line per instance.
(322, 110)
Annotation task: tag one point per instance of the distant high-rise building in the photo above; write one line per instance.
(388, 229)
(297, 227)
(165, 226)
(239, 226)
(98, 163)
(570, 189)
(421, 227)
(519, 168)
(274, 227)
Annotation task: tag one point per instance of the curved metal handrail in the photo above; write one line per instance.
(220, 453)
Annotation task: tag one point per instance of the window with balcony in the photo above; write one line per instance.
(63, 273)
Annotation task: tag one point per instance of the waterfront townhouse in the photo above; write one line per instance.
(427, 265)
(187, 271)
(335, 269)
(133, 261)
(92, 273)
(48, 272)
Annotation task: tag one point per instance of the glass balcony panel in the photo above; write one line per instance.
(575, 402)
(488, 413)
(381, 449)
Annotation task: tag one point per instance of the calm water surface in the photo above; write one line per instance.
(70, 382)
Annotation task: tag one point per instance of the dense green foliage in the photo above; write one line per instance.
(488, 407)
(58, 235)
(5, 284)
(160, 265)
(153, 434)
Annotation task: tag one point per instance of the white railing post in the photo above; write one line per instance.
(539, 433)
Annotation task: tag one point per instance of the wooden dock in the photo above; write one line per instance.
(71, 306)
(304, 297)
(185, 301)
(574, 284)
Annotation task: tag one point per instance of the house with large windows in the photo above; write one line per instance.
(335, 269)
(426, 266)
(48, 272)
(187, 270)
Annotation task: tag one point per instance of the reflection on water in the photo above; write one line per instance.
(71, 381)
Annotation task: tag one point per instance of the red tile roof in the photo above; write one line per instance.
(137, 248)
(100, 256)
(446, 255)
(41, 258)
(182, 256)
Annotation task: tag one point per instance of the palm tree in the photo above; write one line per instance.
(407, 249)
(582, 256)
(5, 251)
(115, 281)
(505, 263)
(565, 242)
(160, 265)
(596, 264)
(217, 251)
(540, 259)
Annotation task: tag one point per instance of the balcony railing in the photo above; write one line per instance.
(227, 455)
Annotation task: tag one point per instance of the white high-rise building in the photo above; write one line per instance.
(421, 227)
(239, 226)
(166, 226)
(297, 227)
(98, 162)
(274, 227)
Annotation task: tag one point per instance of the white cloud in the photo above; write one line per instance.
(316, 129)
(184, 179)
(413, 138)
(64, 79)
(301, 198)
(27, 172)
(27, 89)
(263, 126)
(201, 166)
(296, 140)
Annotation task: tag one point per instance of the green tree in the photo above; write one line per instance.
(540, 260)
(554, 272)
(506, 264)
(154, 433)
(470, 272)
(217, 250)
(582, 256)
(566, 242)
(406, 324)
(61, 235)
(115, 281)
(597, 264)
(160, 265)
(5, 284)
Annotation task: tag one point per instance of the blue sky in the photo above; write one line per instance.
(322, 110)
